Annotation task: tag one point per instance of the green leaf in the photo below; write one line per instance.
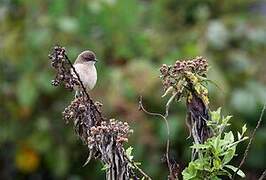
(229, 137)
(244, 129)
(129, 152)
(200, 146)
(202, 164)
(137, 163)
(217, 163)
(190, 172)
(239, 135)
(105, 167)
(226, 119)
(239, 172)
(245, 138)
(216, 115)
(216, 142)
(229, 155)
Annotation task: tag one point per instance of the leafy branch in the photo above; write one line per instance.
(216, 152)
(213, 148)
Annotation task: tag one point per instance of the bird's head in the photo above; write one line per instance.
(87, 57)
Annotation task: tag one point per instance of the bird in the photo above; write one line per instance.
(85, 67)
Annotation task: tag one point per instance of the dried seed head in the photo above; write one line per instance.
(164, 70)
(117, 130)
(171, 74)
(63, 69)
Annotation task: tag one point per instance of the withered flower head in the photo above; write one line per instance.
(184, 79)
(63, 68)
(83, 114)
(172, 74)
(117, 130)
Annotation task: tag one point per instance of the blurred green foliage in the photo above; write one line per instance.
(131, 38)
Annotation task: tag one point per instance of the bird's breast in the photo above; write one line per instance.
(87, 74)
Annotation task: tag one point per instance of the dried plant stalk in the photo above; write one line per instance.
(186, 79)
(104, 138)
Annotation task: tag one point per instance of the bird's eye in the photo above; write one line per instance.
(86, 58)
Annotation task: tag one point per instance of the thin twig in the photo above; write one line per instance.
(167, 106)
(263, 175)
(250, 140)
(168, 131)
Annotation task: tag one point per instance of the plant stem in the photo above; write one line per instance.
(251, 140)
(168, 132)
(263, 175)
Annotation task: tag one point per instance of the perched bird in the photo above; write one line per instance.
(85, 67)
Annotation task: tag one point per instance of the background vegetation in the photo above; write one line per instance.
(131, 38)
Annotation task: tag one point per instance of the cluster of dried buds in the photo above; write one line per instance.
(83, 114)
(199, 65)
(118, 130)
(89, 128)
(76, 110)
(171, 75)
(62, 66)
(184, 79)
(106, 142)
